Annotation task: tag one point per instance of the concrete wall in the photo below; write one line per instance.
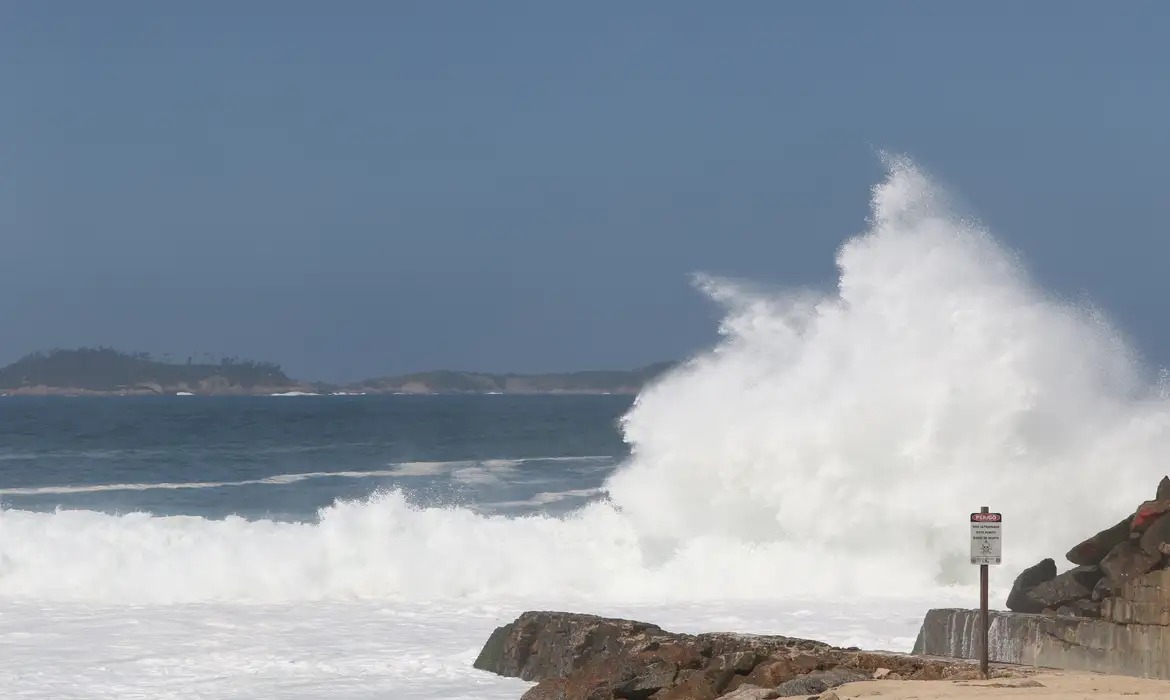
(1144, 600)
(1051, 642)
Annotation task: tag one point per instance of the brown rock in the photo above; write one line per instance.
(726, 669)
(1094, 549)
(1156, 535)
(750, 692)
(1073, 584)
(1126, 561)
(1163, 489)
(805, 663)
(1030, 578)
(602, 679)
(690, 685)
(542, 645)
(681, 654)
(1147, 513)
(583, 657)
(771, 674)
(818, 682)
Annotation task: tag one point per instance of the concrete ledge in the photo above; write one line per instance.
(1077, 644)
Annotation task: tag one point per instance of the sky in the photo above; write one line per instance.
(366, 188)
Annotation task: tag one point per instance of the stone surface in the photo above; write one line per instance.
(1068, 587)
(818, 682)
(584, 657)
(1147, 513)
(1094, 549)
(1163, 489)
(1126, 561)
(1156, 535)
(1054, 642)
(771, 674)
(750, 692)
(551, 645)
(1143, 600)
(1028, 579)
(1102, 590)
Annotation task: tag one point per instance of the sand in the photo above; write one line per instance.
(1054, 684)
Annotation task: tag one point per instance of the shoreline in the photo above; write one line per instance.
(1046, 683)
(59, 392)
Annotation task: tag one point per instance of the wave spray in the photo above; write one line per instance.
(830, 445)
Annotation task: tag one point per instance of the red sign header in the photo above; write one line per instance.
(986, 518)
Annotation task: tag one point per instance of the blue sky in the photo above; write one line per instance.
(356, 188)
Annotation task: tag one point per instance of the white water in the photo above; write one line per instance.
(828, 449)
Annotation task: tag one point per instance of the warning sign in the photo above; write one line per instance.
(986, 541)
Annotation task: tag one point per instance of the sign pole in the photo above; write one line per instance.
(986, 550)
(984, 624)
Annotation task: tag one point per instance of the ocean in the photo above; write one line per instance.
(809, 475)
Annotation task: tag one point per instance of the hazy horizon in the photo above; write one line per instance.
(523, 187)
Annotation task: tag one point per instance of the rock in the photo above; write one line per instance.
(771, 674)
(541, 645)
(818, 682)
(690, 685)
(750, 692)
(830, 695)
(1156, 535)
(1102, 590)
(880, 673)
(805, 663)
(1163, 489)
(584, 657)
(1126, 561)
(1029, 578)
(1073, 584)
(1094, 549)
(728, 671)
(1147, 513)
(1087, 608)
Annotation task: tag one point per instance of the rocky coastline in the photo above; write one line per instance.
(1117, 574)
(573, 656)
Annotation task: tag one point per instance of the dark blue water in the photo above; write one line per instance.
(173, 455)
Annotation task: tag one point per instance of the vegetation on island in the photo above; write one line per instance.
(108, 370)
(585, 382)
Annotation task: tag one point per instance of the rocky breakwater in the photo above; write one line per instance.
(1108, 613)
(1119, 574)
(583, 657)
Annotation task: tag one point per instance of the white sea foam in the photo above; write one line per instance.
(467, 471)
(348, 650)
(831, 445)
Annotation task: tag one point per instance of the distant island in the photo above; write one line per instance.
(109, 372)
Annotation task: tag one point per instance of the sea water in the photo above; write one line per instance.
(810, 475)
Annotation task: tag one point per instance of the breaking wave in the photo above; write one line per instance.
(830, 445)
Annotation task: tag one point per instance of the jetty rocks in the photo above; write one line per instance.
(583, 657)
(1119, 573)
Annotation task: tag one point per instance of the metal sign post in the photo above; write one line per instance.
(986, 549)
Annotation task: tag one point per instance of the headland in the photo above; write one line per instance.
(109, 372)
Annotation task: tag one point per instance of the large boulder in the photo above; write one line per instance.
(1147, 513)
(1018, 599)
(818, 682)
(584, 657)
(1128, 560)
(1068, 587)
(1094, 549)
(1156, 535)
(553, 644)
(1163, 489)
